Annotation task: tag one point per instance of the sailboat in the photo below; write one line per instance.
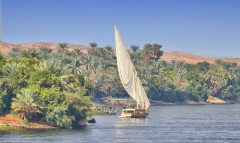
(130, 81)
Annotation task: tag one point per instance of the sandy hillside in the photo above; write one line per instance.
(5, 48)
(189, 58)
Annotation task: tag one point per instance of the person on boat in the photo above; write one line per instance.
(144, 106)
(110, 110)
(128, 105)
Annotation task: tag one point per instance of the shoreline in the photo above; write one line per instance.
(23, 126)
(10, 120)
(210, 100)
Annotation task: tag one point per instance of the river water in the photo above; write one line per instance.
(184, 123)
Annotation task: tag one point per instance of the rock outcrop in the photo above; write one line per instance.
(215, 100)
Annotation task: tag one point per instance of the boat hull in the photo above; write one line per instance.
(139, 116)
(127, 113)
(134, 113)
(139, 113)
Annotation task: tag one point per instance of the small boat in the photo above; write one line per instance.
(133, 113)
(92, 121)
(130, 80)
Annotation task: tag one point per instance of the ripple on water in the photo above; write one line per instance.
(200, 123)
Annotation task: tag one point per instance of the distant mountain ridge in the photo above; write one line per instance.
(193, 59)
(5, 48)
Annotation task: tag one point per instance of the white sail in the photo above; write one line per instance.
(128, 74)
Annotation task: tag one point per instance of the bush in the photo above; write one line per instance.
(58, 116)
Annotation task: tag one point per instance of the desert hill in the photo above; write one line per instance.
(5, 48)
(193, 59)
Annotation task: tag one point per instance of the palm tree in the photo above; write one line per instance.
(153, 71)
(142, 73)
(67, 82)
(109, 54)
(102, 82)
(109, 48)
(45, 52)
(53, 66)
(15, 52)
(101, 52)
(97, 83)
(95, 66)
(228, 68)
(147, 53)
(76, 66)
(180, 70)
(10, 68)
(93, 45)
(77, 53)
(93, 49)
(105, 67)
(160, 68)
(65, 59)
(62, 47)
(4, 96)
(134, 48)
(27, 104)
(215, 80)
(117, 89)
(157, 52)
(30, 53)
(87, 60)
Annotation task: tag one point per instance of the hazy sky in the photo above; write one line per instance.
(202, 27)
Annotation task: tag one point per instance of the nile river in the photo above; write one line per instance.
(185, 123)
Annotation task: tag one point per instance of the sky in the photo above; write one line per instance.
(202, 27)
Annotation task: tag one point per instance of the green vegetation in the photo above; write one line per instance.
(44, 85)
(56, 87)
(26, 122)
(97, 112)
(27, 104)
(4, 128)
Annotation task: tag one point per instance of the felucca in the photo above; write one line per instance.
(130, 81)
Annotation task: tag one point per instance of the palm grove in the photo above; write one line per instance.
(57, 86)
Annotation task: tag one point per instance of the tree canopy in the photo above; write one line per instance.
(58, 85)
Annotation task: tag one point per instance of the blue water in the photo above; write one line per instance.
(185, 123)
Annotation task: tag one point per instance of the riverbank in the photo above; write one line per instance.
(210, 100)
(14, 121)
